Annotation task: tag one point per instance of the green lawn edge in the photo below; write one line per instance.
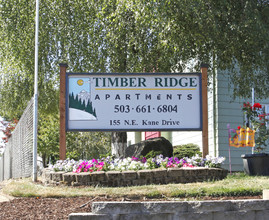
(237, 184)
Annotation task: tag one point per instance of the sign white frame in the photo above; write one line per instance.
(134, 102)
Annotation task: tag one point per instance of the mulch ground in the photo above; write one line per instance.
(60, 208)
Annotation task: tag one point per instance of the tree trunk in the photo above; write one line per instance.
(44, 161)
(119, 144)
(119, 139)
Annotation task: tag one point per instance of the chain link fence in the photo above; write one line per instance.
(17, 159)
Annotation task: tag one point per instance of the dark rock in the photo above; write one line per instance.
(144, 147)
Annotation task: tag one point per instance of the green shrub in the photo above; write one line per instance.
(152, 154)
(106, 155)
(186, 150)
(154, 194)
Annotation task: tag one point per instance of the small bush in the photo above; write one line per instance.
(154, 194)
(186, 150)
(106, 155)
(187, 194)
(153, 154)
(236, 192)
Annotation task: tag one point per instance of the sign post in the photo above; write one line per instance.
(62, 108)
(204, 68)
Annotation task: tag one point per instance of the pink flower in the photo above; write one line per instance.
(94, 161)
(171, 165)
(187, 165)
(135, 158)
(99, 167)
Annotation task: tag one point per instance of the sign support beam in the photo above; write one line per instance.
(62, 104)
(204, 68)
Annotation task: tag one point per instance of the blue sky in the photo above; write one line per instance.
(75, 88)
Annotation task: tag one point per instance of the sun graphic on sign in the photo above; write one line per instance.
(80, 82)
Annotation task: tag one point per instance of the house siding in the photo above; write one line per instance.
(130, 138)
(194, 137)
(227, 111)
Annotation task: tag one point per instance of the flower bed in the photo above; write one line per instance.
(110, 164)
(132, 171)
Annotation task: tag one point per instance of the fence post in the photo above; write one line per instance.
(10, 162)
(2, 167)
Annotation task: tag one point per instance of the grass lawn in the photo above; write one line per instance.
(237, 184)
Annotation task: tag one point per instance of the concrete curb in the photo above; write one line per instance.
(187, 210)
(134, 178)
(265, 194)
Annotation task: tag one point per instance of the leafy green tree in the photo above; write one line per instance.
(228, 35)
(68, 32)
(129, 36)
(80, 145)
(48, 137)
(87, 145)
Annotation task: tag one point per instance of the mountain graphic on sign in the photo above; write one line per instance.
(84, 96)
(82, 102)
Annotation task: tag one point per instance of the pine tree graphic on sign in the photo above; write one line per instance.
(80, 105)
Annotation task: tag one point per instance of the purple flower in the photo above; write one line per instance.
(144, 160)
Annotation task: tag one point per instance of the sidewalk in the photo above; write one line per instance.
(4, 197)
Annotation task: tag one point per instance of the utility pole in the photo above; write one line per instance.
(35, 113)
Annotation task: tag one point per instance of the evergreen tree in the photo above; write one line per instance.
(76, 103)
(89, 107)
(80, 104)
(94, 113)
(71, 100)
(83, 105)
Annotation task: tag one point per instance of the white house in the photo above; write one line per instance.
(222, 110)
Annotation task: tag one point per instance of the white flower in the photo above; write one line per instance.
(111, 167)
